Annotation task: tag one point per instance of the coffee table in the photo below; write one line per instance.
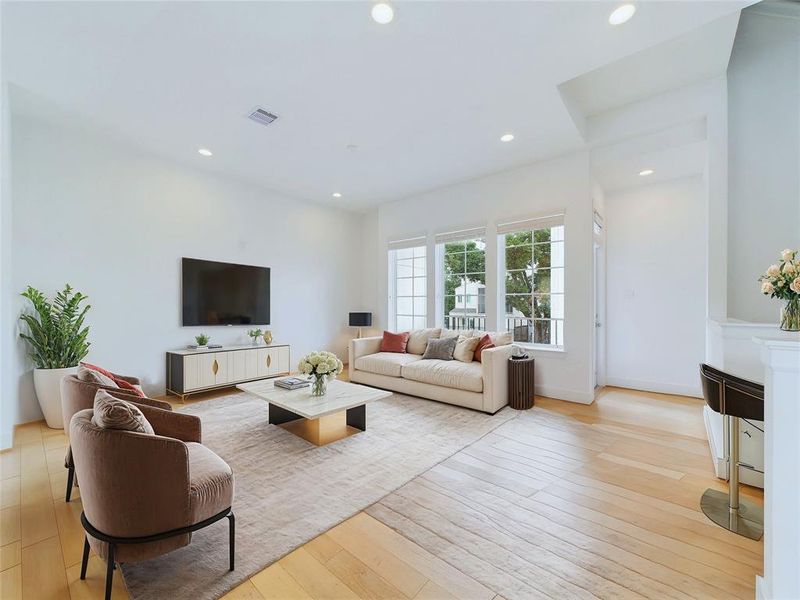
(321, 420)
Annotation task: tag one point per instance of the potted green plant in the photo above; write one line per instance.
(57, 341)
(202, 341)
(255, 334)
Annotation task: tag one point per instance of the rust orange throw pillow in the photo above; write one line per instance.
(486, 342)
(394, 342)
(123, 385)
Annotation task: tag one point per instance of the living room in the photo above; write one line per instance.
(492, 242)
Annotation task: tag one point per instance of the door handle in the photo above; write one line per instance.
(269, 360)
(215, 367)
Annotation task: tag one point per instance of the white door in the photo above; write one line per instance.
(237, 365)
(283, 360)
(599, 295)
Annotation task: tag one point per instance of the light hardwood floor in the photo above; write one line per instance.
(633, 480)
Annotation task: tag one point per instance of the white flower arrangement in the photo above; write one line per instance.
(782, 280)
(321, 364)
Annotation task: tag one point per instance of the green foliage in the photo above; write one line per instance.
(255, 333)
(202, 339)
(55, 330)
(462, 258)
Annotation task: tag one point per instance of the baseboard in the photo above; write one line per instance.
(564, 394)
(761, 588)
(655, 386)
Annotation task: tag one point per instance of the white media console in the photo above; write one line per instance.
(192, 371)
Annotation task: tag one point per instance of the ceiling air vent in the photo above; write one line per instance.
(259, 115)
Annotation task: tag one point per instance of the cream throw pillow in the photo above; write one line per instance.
(465, 348)
(418, 340)
(113, 413)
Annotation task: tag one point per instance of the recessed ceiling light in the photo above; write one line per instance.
(622, 14)
(205, 152)
(382, 13)
(507, 137)
(646, 172)
(336, 195)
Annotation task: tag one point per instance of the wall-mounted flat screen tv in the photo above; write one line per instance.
(217, 293)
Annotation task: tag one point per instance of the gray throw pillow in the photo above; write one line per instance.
(113, 413)
(92, 376)
(441, 349)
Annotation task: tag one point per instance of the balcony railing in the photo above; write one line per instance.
(531, 331)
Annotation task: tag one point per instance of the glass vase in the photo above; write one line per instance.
(319, 386)
(790, 314)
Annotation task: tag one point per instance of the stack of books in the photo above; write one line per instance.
(292, 383)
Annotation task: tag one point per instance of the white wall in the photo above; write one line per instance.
(656, 281)
(8, 410)
(561, 183)
(764, 156)
(115, 222)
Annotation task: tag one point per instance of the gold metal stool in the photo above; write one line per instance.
(735, 398)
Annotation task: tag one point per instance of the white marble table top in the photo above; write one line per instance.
(340, 396)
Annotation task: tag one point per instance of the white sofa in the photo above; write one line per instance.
(478, 385)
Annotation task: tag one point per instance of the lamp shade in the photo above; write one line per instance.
(360, 319)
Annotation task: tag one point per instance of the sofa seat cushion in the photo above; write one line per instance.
(210, 483)
(446, 373)
(385, 363)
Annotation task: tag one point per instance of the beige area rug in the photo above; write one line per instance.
(289, 491)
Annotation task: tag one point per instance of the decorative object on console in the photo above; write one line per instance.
(202, 341)
(782, 281)
(267, 337)
(255, 334)
(394, 342)
(360, 319)
(322, 366)
(518, 353)
(58, 342)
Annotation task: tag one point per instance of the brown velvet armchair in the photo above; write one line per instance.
(143, 495)
(77, 395)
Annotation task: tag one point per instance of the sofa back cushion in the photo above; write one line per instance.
(394, 342)
(465, 348)
(441, 349)
(418, 340)
(483, 343)
(113, 413)
(499, 338)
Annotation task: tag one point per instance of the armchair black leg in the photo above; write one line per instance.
(70, 480)
(232, 541)
(85, 561)
(110, 571)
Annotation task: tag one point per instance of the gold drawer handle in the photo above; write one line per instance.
(269, 360)
(215, 367)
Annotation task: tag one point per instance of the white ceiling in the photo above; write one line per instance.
(425, 98)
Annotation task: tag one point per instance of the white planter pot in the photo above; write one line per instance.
(47, 383)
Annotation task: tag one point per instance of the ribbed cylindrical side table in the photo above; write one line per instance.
(520, 383)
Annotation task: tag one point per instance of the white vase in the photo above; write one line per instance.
(47, 383)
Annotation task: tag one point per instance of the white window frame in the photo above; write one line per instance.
(544, 222)
(440, 240)
(418, 248)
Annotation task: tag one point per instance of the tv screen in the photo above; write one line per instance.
(216, 293)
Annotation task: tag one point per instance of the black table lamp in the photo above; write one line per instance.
(360, 319)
